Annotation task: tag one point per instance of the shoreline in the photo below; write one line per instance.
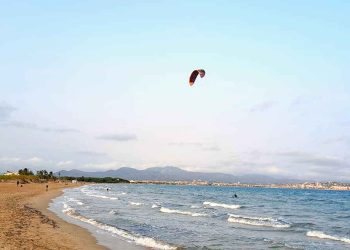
(27, 223)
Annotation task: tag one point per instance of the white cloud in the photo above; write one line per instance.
(64, 163)
(33, 126)
(6, 111)
(33, 163)
(263, 106)
(118, 137)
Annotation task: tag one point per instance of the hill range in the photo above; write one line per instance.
(170, 173)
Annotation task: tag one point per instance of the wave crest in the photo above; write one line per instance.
(257, 221)
(322, 235)
(139, 240)
(136, 203)
(213, 204)
(97, 195)
(173, 211)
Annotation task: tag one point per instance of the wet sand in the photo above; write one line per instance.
(26, 223)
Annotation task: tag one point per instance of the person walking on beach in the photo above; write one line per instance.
(47, 187)
(17, 183)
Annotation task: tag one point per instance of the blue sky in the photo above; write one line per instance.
(104, 84)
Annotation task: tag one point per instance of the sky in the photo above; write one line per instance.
(99, 85)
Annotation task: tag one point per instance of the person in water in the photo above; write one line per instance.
(235, 196)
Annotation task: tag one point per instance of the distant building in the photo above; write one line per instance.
(9, 173)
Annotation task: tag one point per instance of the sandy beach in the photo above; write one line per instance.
(26, 223)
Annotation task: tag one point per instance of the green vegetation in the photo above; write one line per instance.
(23, 178)
(25, 171)
(43, 174)
(96, 179)
(26, 175)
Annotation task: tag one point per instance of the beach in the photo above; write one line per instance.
(26, 223)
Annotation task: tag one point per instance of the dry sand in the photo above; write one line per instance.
(26, 223)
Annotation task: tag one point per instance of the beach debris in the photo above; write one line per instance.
(194, 74)
(44, 219)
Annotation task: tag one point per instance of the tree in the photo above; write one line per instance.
(25, 171)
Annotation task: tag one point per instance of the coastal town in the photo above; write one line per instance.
(330, 185)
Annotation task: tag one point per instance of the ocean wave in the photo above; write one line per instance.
(76, 201)
(172, 211)
(102, 196)
(137, 239)
(136, 203)
(195, 206)
(155, 206)
(257, 221)
(93, 194)
(213, 204)
(112, 212)
(322, 235)
(97, 195)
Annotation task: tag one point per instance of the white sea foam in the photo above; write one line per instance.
(257, 221)
(213, 204)
(139, 240)
(136, 203)
(173, 211)
(76, 201)
(103, 196)
(322, 235)
(195, 206)
(112, 212)
(155, 206)
(93, 194)
(100, 196)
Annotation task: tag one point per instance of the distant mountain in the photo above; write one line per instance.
(175, 174)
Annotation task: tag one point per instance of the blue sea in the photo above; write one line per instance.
(208, 217)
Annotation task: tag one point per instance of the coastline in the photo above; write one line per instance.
(26, 222)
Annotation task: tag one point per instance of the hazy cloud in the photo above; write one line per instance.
(33, 163)
(91, 153)
(118, 137)
(298, 157)
(64, 163)
(212, 148)
(290, 164)
(263, 106)
(341, 139)
(184, 144)
(207, 147)
(26, 125)
(11, 160)
(6, 111)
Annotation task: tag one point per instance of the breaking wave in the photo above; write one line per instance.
(112, 212)
(102, 196)
(322, 235)
(136, 203)
(76, 201)
(257, 221)
(213, 204)
(195, 206)
(137, 239)
(155, 206)
(173, 211)
(97, 196)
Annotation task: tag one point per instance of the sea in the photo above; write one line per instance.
(208, 217)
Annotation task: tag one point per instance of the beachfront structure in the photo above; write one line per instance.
(9, 173)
